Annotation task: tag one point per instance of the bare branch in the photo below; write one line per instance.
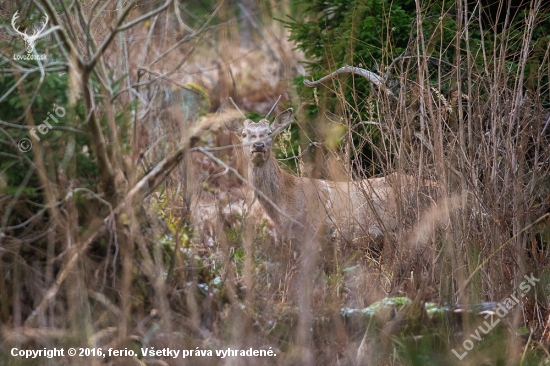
(143, 188)
(110, 37)
(145, 16)
(369, 75)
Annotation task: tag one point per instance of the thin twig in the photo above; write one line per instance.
(467, 282)
(303, 152)
(143, 188)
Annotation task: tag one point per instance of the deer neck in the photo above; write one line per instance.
(275, 184)
(267, 178)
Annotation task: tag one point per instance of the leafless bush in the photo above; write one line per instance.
(161, 248)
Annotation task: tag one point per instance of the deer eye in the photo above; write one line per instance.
(244, 134)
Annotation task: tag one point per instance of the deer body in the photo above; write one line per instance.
(348, 210)
(340, 208)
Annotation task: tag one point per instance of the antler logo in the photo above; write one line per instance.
(29, 40)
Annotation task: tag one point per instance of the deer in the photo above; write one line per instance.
(302, 207)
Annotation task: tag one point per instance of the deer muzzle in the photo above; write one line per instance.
(258, 147)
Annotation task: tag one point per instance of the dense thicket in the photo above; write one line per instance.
(115, 233)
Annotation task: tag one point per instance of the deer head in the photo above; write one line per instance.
(29, 40)
(257, 137)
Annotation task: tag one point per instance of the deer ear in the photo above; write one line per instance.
(234, 125)
(282, 121)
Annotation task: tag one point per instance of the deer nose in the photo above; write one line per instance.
(258, 146)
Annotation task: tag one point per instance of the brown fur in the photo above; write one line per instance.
(348, 210)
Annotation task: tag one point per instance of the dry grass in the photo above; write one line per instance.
(194, 266)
